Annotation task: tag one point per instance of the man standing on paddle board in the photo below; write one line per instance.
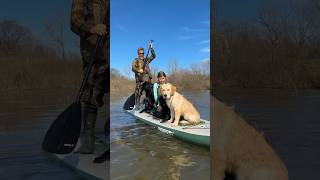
(140, 67)
(87, 21)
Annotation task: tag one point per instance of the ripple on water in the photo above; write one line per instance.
(142, 152)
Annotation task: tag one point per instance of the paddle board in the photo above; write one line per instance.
(196, 134)
(83, 164)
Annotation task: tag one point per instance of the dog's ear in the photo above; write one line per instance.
(173, 90)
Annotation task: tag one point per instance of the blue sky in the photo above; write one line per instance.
(180, 30)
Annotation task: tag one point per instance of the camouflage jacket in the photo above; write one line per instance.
(138, 64)
(85, 14)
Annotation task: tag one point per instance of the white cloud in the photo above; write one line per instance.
(186, 37)
(187, 29)
(205, 59)
(205, 50)
(203, 42)
(207, 22)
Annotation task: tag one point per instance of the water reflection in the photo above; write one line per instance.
(139, 151)
(24, 119)
(289, 120)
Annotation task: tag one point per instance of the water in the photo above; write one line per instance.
(289, 120)
(139, 151)
(24, 119)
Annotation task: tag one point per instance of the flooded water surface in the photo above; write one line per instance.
(139, 151)
(24, 120)
(288, 119)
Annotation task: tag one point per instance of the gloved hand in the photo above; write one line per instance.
(150, 45)
(99, 29)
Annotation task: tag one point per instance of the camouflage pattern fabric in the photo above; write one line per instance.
(84, 15)
(141, 77)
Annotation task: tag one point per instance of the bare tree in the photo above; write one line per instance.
(128, 72)
(173, 67)
(154, 71)
(205, 68)
(14, 37)
(56, 32)
(115, 72)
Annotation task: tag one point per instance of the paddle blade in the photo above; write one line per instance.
(128, 105)
(63, 134)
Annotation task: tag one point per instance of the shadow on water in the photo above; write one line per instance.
(139, 151)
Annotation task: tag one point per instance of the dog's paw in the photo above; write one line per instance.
(173, 124)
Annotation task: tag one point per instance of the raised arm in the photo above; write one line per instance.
(152, 56)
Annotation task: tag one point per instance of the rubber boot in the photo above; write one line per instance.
(104, 157)
(88, 140)
(137, 103)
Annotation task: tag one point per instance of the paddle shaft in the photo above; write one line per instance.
(145, 59)
(88, 70)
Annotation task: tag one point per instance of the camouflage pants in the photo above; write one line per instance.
(139, 83)
(95, 88)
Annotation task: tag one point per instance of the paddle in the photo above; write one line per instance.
(145, 59)
(128, 105)
(64, 132)
(130, 102)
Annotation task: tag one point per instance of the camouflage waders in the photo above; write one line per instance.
(141, 78)
(85, 15)
(138, 90)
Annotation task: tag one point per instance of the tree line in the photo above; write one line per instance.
(27, 62)
(279, 48)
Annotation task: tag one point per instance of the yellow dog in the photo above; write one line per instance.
(179, 106)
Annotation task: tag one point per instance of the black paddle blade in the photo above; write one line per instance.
(63, 134)
(128, 105)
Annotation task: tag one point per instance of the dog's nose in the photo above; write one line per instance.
(165, 95)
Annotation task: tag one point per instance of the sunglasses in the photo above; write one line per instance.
(141, 53)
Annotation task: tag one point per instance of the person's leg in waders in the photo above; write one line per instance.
(92, 100)
(149, 100)
(102, 89)
(88, 21)
(106, 155)
(137, 93)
